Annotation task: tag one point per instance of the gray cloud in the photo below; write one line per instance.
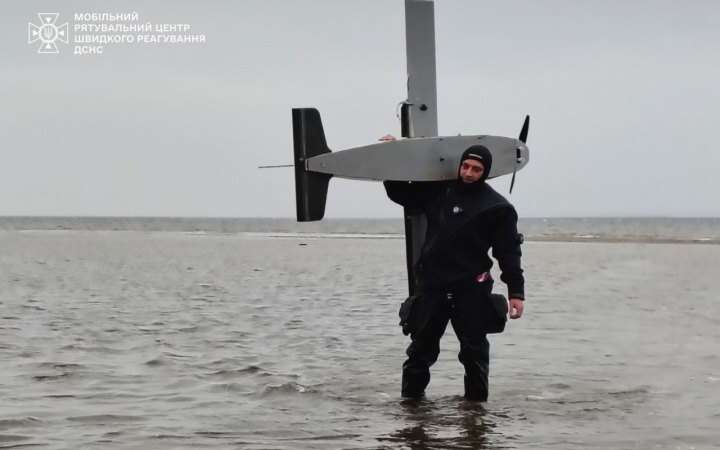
(623, 96)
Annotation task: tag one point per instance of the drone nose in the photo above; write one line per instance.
(520, 153)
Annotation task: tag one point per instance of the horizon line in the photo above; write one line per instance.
(82, 216)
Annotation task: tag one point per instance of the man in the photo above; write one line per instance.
(465, 218)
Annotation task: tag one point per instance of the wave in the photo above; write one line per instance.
(290, 388)
(107, 418)
(6, 424)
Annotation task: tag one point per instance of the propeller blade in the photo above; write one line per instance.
(518, 155)
(524, 131)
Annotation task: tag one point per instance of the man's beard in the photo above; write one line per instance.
(464, 187)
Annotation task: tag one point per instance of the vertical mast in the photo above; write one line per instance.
(420, 49)
(419, 113)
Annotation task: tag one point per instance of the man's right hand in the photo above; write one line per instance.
(387, 138)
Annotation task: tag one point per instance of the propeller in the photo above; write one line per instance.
(518, 155)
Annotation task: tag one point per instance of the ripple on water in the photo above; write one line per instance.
(290, 388)
(93, 349)
(631, 393)
(295, 324)
(179, 399)
(7, 438)
(236, 373)
(166, 358)
(170, 436)
(7, 424)
(60, 396)
(237, 388)
(52, 377)
(114, 395)
(106, 418)
(177, 355)
(60, 365)
(218, 434)
(157, 361)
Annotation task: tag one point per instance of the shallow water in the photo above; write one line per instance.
(173, 340)
(584, 229)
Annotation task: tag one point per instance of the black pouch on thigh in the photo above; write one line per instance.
(492, 309)
(406, 314)
(416, 312)
(496, 321)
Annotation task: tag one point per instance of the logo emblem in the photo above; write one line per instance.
(456, 209)
(47, 33)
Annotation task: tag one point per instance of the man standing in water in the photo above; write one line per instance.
(465, 218)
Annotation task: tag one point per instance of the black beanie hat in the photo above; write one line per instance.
(478, 153)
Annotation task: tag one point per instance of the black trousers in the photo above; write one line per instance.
(465, 308)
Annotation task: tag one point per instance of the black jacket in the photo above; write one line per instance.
(463, 224)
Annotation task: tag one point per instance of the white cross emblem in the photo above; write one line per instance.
(47, 33)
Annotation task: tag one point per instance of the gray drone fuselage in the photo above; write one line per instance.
(418, 159)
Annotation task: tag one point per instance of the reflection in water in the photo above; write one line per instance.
(448, 423)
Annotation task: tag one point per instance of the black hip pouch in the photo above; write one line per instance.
(495, 323)
(406, 314)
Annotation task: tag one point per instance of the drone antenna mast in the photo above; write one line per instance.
(419, 117)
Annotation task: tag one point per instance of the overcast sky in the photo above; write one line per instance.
(624, 98)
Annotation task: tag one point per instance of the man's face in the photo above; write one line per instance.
(471, 170)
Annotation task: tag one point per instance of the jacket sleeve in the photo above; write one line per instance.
(413, 195)
(505, 241)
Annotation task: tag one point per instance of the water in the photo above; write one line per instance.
(156, 339)
(622, 229)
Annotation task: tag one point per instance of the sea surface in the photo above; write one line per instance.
(162, 333)
(612, 229)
